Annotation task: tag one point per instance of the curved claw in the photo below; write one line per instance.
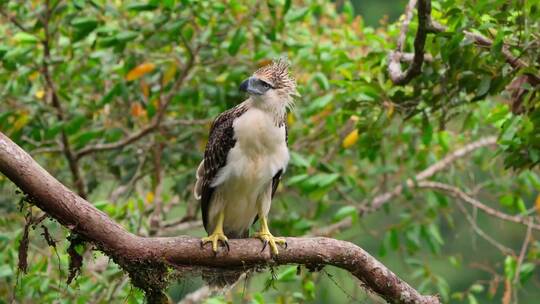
(265, 242)
(215, 238)
(272, 241)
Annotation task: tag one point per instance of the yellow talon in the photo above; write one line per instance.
(268, 239)
(272, 241)
(217, 235)
(214, 238)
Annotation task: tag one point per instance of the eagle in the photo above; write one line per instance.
(245, 157)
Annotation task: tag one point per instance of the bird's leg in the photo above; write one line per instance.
(267, 237)
(217, 235)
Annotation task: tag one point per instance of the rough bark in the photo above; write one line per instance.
(147, 259)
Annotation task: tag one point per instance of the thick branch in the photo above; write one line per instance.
(81, 217)
(425, 26)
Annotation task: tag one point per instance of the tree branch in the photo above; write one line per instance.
(156, 120)
(13, 20)
(425, 26)
(381, 199)
(458, 193)
(71, 158)
(155, 255)
(374, 204)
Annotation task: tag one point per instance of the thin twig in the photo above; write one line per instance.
(13, 20)
(72, 160)
(378, 201)
(458, 193)
(156, 120)
(381, 199)
(523, 250)
(505, 250)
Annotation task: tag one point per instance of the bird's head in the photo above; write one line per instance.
(271, 82)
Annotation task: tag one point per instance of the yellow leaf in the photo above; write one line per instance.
(137, 110)
(40, 94)
(222, 77)
(33, 76)
(537, 203)
(290, 118)
(169, 74)
(322, 114)
(150, 197)
(145, 88)
(21, 121)
(350, 139)
(140, 70)
(389, 108)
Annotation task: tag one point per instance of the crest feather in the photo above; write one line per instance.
(277, 74)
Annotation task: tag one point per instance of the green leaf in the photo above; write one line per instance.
(296, 179)
(427, 131)
(299, 160)
(83, 27)
(83, 23)
(344, 212)
(348, 10)
(526, 270)
(238, 39)
(25, 38)
(320, 102)
(5, 271)
(323, 180)
(140, 7)
(472, 299)
(75, 124)
(297, 15)
(394, 239)
(3, 50)
(126, 36)
(434, 232)
(477, 288)
(321, 79)
(484, 85)
(510, 264)
(288, 275)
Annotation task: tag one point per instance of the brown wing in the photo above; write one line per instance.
(220, 142)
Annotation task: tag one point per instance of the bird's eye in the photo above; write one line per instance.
(266, 85)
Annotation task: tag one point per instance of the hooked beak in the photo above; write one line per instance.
(249, 86)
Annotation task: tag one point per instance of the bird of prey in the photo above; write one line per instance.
(244, 159)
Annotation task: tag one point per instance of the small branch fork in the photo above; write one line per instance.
(127, 249)
(420, 182)
(426, 26)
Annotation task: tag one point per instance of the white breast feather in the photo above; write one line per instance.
(260, 152)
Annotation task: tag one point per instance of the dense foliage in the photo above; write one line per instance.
(115, 100)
